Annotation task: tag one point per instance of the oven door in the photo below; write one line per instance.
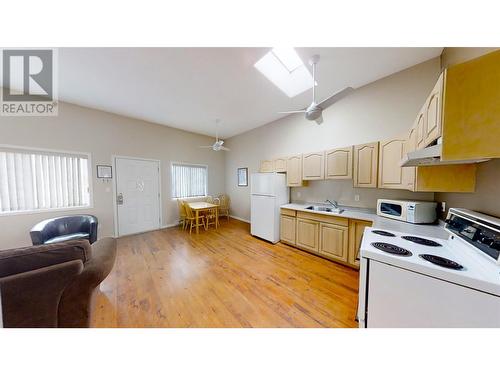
(392, 209)
(400, 298)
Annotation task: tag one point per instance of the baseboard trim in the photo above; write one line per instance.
(240, 219)
(166, 226)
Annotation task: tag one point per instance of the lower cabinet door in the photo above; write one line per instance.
(307, 234)
(334, 241)
(287, 229)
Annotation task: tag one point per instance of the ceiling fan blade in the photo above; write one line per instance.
(319, 120)
(335, 97)
(300, 111)
(206, 146)
(224, 148)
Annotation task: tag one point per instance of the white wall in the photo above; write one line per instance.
(377, 111)
(104, 134)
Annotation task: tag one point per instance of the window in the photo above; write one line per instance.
(284, 68)
(32, 180)
(189, 180)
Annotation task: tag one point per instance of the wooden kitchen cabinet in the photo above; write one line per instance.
(333, 241)
(280, 165)
(432, 111)
(410, 145)
(287, 229)
(471, 109)
(453, 178)
(338, 163)
(266, 166)
(463, 109)
(420, 129)
(365, 165)
(294, 170)
(307, 234)
(390, 173)
(429, 118)
(313, 166)
(356, 229)
(334, 237)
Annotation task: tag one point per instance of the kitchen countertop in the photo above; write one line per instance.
(428, 230)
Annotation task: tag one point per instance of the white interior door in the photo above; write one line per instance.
(137, 195)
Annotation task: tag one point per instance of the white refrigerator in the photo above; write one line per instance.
(268, 192)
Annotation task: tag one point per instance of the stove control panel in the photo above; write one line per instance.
(484, 235)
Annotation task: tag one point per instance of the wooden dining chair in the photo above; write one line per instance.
(211, 217)
(182, 213)
(224, 205)
(191, 218)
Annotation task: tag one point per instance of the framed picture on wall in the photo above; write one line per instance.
(242, 176)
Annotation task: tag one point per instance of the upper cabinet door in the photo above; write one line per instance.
(390, 173)
(420, 129)
(294, 170)
(409, 172)
(433, 118)
(338, 163)
(266, 166)
(313, 166)
(365, 165)
(280, 165)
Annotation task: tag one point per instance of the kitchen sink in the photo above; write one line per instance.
(325, 209)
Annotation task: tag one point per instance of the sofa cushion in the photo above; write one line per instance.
(30, 258)
(68, 237)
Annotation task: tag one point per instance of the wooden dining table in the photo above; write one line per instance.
(197, 207)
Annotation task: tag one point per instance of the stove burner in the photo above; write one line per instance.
(421, 241)
(440, 261)
(392, 249)
(383, 233)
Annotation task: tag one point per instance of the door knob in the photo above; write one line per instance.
(119, 199)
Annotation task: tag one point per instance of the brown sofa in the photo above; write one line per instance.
(53, 285)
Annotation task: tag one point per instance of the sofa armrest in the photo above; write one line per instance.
(76, 302)
(42, 231)
(30, 258)
(31, 299)
(93, 230)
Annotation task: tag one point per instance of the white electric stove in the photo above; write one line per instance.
(413, 281)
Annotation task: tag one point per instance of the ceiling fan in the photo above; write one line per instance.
(218, 145)
(315, 110)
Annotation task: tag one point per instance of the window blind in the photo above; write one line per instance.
(38, 180)
(189, 180)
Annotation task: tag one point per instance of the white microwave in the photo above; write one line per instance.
(417, 212)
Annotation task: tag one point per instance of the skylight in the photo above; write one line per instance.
(284, 68)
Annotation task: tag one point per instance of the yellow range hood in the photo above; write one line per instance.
(431, 155)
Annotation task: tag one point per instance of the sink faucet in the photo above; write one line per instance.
(334, 203)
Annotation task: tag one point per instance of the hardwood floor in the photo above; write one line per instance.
(223, 278)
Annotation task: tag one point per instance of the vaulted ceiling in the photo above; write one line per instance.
(188, 88)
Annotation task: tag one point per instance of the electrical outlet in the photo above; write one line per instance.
(443, 206)
(298, 194)
(356, 197)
